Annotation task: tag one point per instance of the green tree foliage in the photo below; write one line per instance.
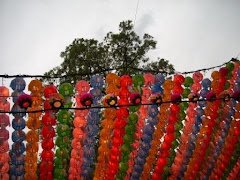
(125, 52)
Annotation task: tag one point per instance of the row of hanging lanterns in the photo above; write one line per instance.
(146, 130)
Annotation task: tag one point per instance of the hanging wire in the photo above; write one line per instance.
(105, 70)
(136, 14)
(206, 69)
(238, 55)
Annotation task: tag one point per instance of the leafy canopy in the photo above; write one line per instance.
(124, 52)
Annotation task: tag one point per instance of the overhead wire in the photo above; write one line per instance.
(124, 105)
(135, 17)
(111, 69)
(238, 55)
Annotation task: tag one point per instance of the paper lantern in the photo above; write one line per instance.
(156, 98)
(176, 98)
(96, 81)
(125, 81)
(4, 120)
(35, 86)
(138, 80)
(211, 96)
(82, 86)
(63, 130)
(188, 81)
(18, 148)
(48, 132)
(193, 97)
(64, 117)
(66, 89)
(47, 155)
(32, 136)
(148, 79)
(17, 111)
(50, 91)
(18, 123)
(112, 78)
(18, 136)
(86, 99)
(56, 101)
(197, 77)
(4, 94)
(47, 144)
(18, 84)
(4, 91)
(159, 79)
(110, 99)
(24, 101)
(48, 120)
(135, 98)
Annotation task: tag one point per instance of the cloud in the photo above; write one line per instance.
(144, 22)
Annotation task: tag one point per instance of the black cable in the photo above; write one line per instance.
(206, 69)
(126, 105)
(105, 70)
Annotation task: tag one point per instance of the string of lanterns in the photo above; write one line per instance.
(141, 127)
(63, 143)
(48, 132)
(18, 135)
(33, 123)
(107, 125)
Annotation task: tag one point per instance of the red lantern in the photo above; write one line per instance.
(49, 91)
(47, 155)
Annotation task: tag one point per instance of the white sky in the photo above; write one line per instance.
(191, 34)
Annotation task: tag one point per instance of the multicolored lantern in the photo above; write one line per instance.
(24, 101)
(92, 126)
(139, 127)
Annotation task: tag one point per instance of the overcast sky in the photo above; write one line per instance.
(191, 34)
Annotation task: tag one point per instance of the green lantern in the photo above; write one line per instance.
(186, 92)
(126, 148)
(179, 125)
(64, 116)
(62, 142)
(138, 80)
(62, 153)
(128, 139)
(132, 118)
(134, 108)
(63, 130)
(130, 129)
(60, 173)
(123, 167)
(230, 66)
(188, 81)
(175, 144)
(177, 134)
(66, 89)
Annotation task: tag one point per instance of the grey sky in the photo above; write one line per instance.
(192, 34)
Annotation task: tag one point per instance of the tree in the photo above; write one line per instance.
(124, 52)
